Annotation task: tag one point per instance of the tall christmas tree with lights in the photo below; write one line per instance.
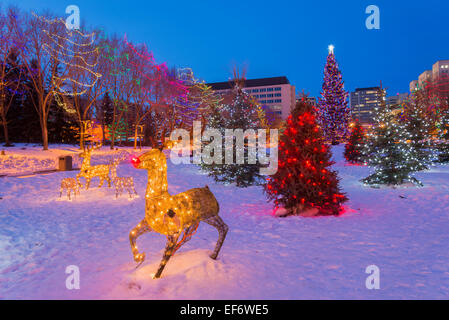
(390, 150)
(304, 180)
(333, 113)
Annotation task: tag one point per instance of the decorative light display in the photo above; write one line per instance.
(389, 150)
(304, 180)
(121, 183)
(334, 113)
(79, 56)
(356, 143)
(240, 113)
(88, 172)
(173, 215)
(71, 185)
(416, 121)
(443, 146)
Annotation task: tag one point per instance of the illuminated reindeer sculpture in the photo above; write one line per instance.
(88, 172)
(121, 183)
(172, 215)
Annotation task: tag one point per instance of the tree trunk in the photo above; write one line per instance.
(44, 135)
(5, 132)
(135, 138)
(112, 139)
(82, 136)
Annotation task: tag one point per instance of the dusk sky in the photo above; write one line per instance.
(274, 38)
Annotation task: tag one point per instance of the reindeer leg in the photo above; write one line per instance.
(87, 183)
(138, 230)
(222, 228)
(169, 250)
(101, 182)
(60, 192)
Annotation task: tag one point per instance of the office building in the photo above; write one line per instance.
(363, 101)
(438, 78)
(276, 94)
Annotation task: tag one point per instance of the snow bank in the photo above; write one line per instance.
(27, 159)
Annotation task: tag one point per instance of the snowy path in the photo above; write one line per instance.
(403, 231)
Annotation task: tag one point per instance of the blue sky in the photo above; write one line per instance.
(273, 38)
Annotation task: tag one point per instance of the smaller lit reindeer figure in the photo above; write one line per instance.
(121, 183)
(70, 184)
(88, 172)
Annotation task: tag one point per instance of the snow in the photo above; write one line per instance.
(402, 230)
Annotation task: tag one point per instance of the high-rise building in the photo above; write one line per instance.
(276, 94)
(363, 101)
(438, 78)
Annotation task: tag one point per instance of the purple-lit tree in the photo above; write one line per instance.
(333, 113)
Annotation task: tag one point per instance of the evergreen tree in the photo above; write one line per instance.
(354, 147)
(418, 126)
(443, 147)
(239, 113)
(62, 127)
(333, 105)
(304, 179)
(389, 150)
(108, 109)
(24, 125)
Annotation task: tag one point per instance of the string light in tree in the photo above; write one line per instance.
(334, 114)
(389, 149)
(304, 181)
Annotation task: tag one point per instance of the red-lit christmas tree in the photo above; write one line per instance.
(354, 148)
(333, 113)
(304, 180)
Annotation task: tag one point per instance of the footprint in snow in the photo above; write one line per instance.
(134, 286)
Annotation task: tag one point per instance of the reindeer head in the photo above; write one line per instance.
(156, 164)
(153, 159)
(86, 154)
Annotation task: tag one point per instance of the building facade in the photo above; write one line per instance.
(394, 102)
(438, 76)
(276, 94)
(363, 102)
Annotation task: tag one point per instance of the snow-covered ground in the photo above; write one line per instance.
(404, 231)
(26, 158)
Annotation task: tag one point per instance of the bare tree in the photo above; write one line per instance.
(41, 57)
(84, 82)
(10, 71)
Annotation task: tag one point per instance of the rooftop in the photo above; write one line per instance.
(261, 82)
